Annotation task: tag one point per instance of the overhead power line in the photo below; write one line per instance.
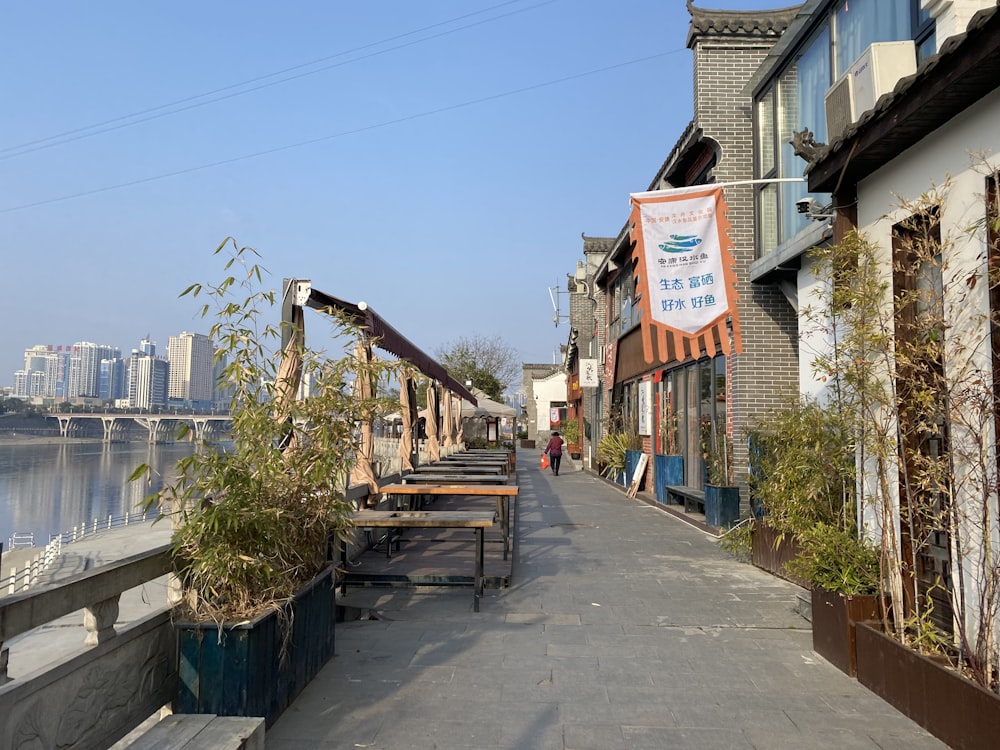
(237, 89)
(340, 134)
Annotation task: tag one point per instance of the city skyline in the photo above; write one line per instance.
(185, 373)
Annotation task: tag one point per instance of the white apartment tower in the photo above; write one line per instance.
(146, 380)
(190, 357)
(85, 368)
(44, 373)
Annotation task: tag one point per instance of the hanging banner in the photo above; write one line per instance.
(684, 272)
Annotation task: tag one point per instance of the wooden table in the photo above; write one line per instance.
(455, 477)
(486, 454)
(503, 494)
(427, 519)
(454, 468)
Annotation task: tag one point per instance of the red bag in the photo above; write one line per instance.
(545, 461)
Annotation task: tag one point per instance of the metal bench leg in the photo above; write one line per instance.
(479, 569)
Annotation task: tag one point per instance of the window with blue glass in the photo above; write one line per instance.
(793, 99)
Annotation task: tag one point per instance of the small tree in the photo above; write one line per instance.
(490, 364)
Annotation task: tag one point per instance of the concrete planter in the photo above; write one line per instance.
(955, 710)
(237, 670)
(834, 617)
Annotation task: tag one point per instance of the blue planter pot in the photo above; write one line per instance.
(669, 470)
(631, 461)
(722, 506)
(237, 670)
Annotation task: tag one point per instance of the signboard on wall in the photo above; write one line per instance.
(588, 373)
(645, 407)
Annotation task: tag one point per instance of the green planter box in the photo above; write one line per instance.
(237, 670)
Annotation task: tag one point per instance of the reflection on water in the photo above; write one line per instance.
(48, 489)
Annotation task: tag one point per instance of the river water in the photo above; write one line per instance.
(47, 489)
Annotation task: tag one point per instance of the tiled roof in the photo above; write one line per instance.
(757, 23)
(597, 244)
(965, 69)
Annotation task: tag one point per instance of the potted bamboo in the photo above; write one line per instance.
(668, 464)
(722, 496)
(254, 522)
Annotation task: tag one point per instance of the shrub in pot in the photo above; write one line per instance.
(613, 450)
(843, 572)
(722, 496)
(253, 522)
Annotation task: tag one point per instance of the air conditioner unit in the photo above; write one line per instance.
(873, 74)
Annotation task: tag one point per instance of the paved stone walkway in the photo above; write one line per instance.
(625, 628)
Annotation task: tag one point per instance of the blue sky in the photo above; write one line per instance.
(438, 160)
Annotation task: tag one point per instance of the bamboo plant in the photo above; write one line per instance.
(253, 522)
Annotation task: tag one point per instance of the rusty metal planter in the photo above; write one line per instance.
(834, 617)
(954, 709)
(771, 553)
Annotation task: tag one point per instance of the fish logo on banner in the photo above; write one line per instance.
(680, 243)
(684, 267)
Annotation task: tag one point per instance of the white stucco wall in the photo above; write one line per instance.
(814, 340)
(951, 163)
(548, 391)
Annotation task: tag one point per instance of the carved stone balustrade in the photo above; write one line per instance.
(114, 681)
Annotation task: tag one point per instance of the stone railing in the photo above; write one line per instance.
(109, 684)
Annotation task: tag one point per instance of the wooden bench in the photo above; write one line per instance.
(693, 499)
(427, 519)
(198, 731)
(503, 494)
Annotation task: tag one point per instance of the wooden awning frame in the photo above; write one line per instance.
(300, 292)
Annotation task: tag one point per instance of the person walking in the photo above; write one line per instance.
(554, 450)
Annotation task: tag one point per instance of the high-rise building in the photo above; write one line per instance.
(112, 384)
(85, 368)
(190, 356)
(45, 372)
(146, 379)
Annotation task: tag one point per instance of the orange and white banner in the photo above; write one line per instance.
(685, 279)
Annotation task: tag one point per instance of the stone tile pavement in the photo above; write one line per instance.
(624, 628)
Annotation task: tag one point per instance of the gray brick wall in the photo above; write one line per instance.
(767, 370)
